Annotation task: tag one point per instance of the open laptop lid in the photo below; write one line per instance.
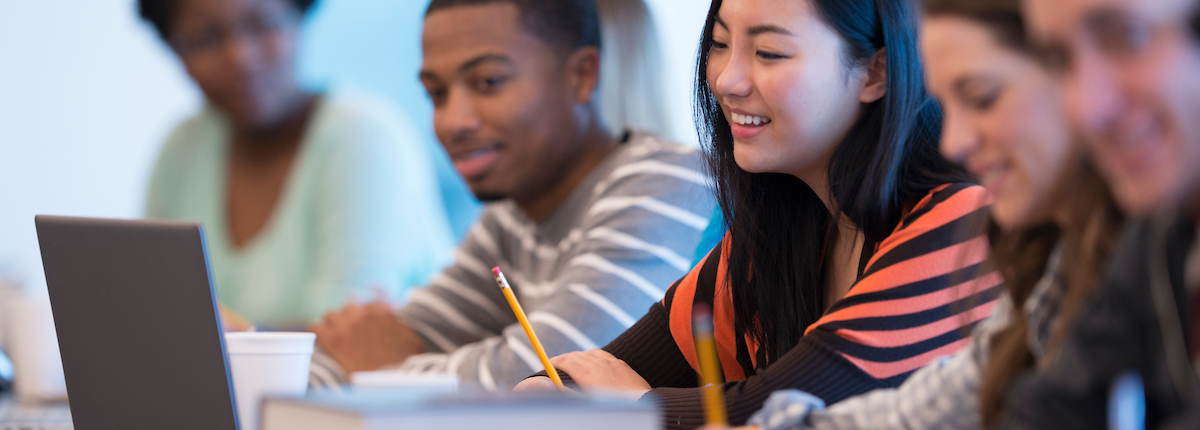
(137, 323)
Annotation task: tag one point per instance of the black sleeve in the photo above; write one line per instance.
(650, 350)
(810, 366)
(1109, 336)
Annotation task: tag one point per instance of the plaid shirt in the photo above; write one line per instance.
(941, 395)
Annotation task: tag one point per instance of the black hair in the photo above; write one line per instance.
(1195, 22)
(161, 13)
(1002, 18)
(565, 24)
(778, 226)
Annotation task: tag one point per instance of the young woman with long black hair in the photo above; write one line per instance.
(853, 250)
(1053, 225)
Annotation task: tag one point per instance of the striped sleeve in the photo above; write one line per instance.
(920, 295)
(921, 291)
(461, 306)
(634, 238)
(941, 395)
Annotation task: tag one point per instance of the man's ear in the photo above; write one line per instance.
(875, 86)
(583, 73)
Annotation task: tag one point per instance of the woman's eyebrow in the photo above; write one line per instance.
(758, 29)
(768, 28)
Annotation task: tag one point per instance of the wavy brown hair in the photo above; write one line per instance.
(1021, 256)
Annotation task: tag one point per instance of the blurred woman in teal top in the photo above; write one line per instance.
(307, 198)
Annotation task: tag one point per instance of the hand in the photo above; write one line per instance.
(364, 338)
(597, 369)
(539, 383)
(231, 321)
(536, 383)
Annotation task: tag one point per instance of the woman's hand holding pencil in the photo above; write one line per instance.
(597, 369)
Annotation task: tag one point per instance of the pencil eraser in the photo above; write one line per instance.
(496, 270)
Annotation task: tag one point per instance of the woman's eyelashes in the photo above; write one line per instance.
(717, 45)
(767, 55)
(984, 102)
(980, 97)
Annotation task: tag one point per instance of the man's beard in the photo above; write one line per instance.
(488, 197)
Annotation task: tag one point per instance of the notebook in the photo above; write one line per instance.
(370, 409)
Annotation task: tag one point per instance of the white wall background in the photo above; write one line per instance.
(87, 93)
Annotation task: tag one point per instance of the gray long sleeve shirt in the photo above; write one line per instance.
(584, 275)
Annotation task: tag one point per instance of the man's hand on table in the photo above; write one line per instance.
(364, 338)
(231, 321)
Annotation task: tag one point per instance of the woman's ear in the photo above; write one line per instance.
(583, 73)
(875, 86)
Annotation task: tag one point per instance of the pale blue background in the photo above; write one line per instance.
(88, 93)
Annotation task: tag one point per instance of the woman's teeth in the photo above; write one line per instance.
(750, 120)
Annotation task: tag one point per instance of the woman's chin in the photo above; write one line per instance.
(1014, 215)
(753, 161)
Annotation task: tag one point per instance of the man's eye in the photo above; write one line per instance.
(1129, 37)
(1054, 59)
(490, 83)
(436, 95)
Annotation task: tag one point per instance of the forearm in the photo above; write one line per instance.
(810, 367)
(649, 350)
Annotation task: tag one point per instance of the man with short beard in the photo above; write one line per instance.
(1132, 73)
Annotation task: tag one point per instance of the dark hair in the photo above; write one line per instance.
(1195, 21)
(565, 24)
(1021, 256)
(161, 13)
(777, 225)
(1002, 18)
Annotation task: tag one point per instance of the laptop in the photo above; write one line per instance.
(138, 324)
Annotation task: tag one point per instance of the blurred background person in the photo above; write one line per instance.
(307, 197)
(1129, 69)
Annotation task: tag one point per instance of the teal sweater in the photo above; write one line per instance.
(361, 210)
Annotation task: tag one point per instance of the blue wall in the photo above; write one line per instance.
(375, 45)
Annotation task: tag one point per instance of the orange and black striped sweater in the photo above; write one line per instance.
(915, 299)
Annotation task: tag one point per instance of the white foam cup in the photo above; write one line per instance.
(267, 364)
(33, 345)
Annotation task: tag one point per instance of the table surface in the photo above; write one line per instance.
(40, 416)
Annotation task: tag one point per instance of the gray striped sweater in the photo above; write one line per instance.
(583, 275)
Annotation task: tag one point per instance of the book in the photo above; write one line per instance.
(379, 409)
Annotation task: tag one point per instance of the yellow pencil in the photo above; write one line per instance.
(710, 366)
(537, 345)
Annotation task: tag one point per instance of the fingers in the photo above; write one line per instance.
(582, 361)
(343, 318)
(537, 383)
(322, 333)
(378, 308)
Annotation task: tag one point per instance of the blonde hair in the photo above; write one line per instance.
(631, 72)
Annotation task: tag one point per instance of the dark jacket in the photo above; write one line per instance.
(1137, 321)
